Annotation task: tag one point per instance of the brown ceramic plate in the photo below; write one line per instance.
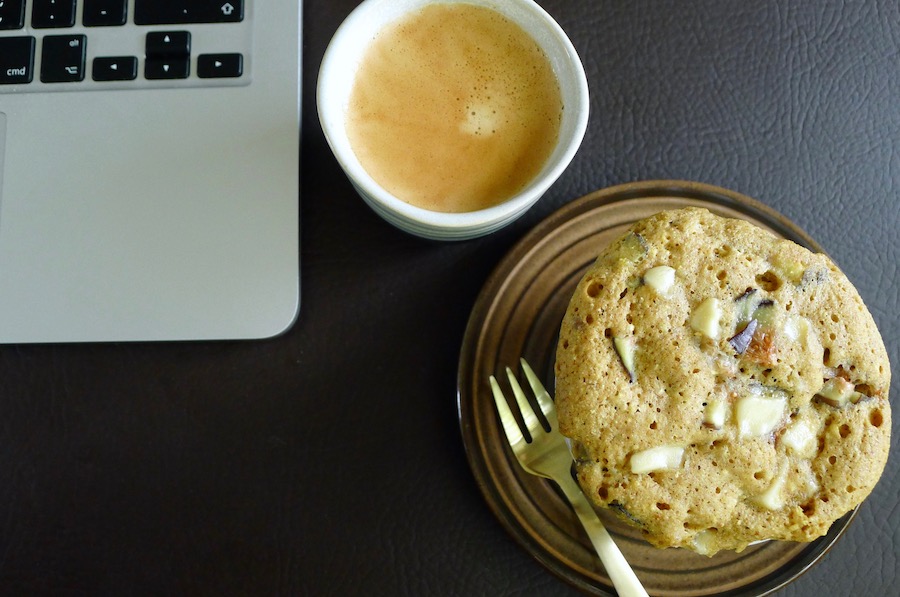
(518, 314)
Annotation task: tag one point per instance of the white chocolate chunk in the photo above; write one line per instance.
(792, 270)
(703, 542)
(796, 329)
(800, 438)
(706, 317)
(801, 481)
(808, 481)
(759, 415)
(655, 459)
(715, 413)
(773, 497)
(660, 278)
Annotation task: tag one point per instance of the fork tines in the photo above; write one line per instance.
(532, 421)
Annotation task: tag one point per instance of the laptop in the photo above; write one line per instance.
(149, 169)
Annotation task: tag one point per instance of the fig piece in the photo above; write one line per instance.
(745, 305)
(633, 248)
(625, 349)
(765, 313)
(741, 341)
(838, 392)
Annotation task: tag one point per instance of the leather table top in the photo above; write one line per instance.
(329, 461)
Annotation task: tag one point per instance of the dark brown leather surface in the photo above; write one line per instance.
(328, 461)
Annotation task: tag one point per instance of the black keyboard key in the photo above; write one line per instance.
(170, 12)
(168, 44)
(63, 58)
(12, 14)
(114, 68)
(47, 14)
(16, 60)
(167, 68)
(104, 13)
(215, 66)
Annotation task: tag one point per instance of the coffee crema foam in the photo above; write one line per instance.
(455, 108)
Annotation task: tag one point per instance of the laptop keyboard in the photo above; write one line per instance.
(58, 45)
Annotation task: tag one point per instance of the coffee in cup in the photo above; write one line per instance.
(455, 108)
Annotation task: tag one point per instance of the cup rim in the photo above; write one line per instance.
(442, 223)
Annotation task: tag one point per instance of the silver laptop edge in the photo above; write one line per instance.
(156, 214)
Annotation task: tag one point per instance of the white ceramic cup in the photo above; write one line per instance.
(336, 78)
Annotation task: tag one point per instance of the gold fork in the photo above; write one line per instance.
(547, 455)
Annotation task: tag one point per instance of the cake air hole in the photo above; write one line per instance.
(769, 281)
(876, 418)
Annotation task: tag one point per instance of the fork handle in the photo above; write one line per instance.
(620, 572)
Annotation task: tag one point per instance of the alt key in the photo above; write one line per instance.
(63, 58)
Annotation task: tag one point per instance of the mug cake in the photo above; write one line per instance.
(721, 385)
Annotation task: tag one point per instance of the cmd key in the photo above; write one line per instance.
(16, 60)
(171, 12)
